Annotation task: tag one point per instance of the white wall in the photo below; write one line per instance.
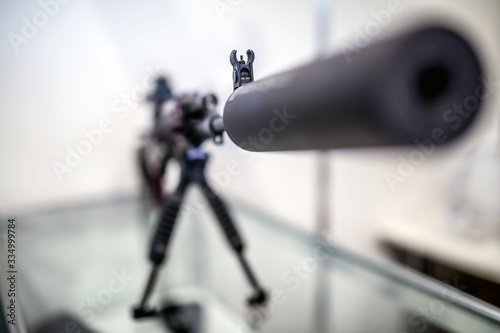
(362, 199)
(67, 77)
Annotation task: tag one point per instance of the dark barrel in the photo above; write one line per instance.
(421, 85)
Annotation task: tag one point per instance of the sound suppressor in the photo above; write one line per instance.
(421, 85)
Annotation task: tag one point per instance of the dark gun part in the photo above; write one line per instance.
(393, 92)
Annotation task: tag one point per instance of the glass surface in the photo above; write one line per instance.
(91, 262)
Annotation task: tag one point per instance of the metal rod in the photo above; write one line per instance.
(420, 85)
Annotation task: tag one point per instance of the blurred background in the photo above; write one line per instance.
(89, 64)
